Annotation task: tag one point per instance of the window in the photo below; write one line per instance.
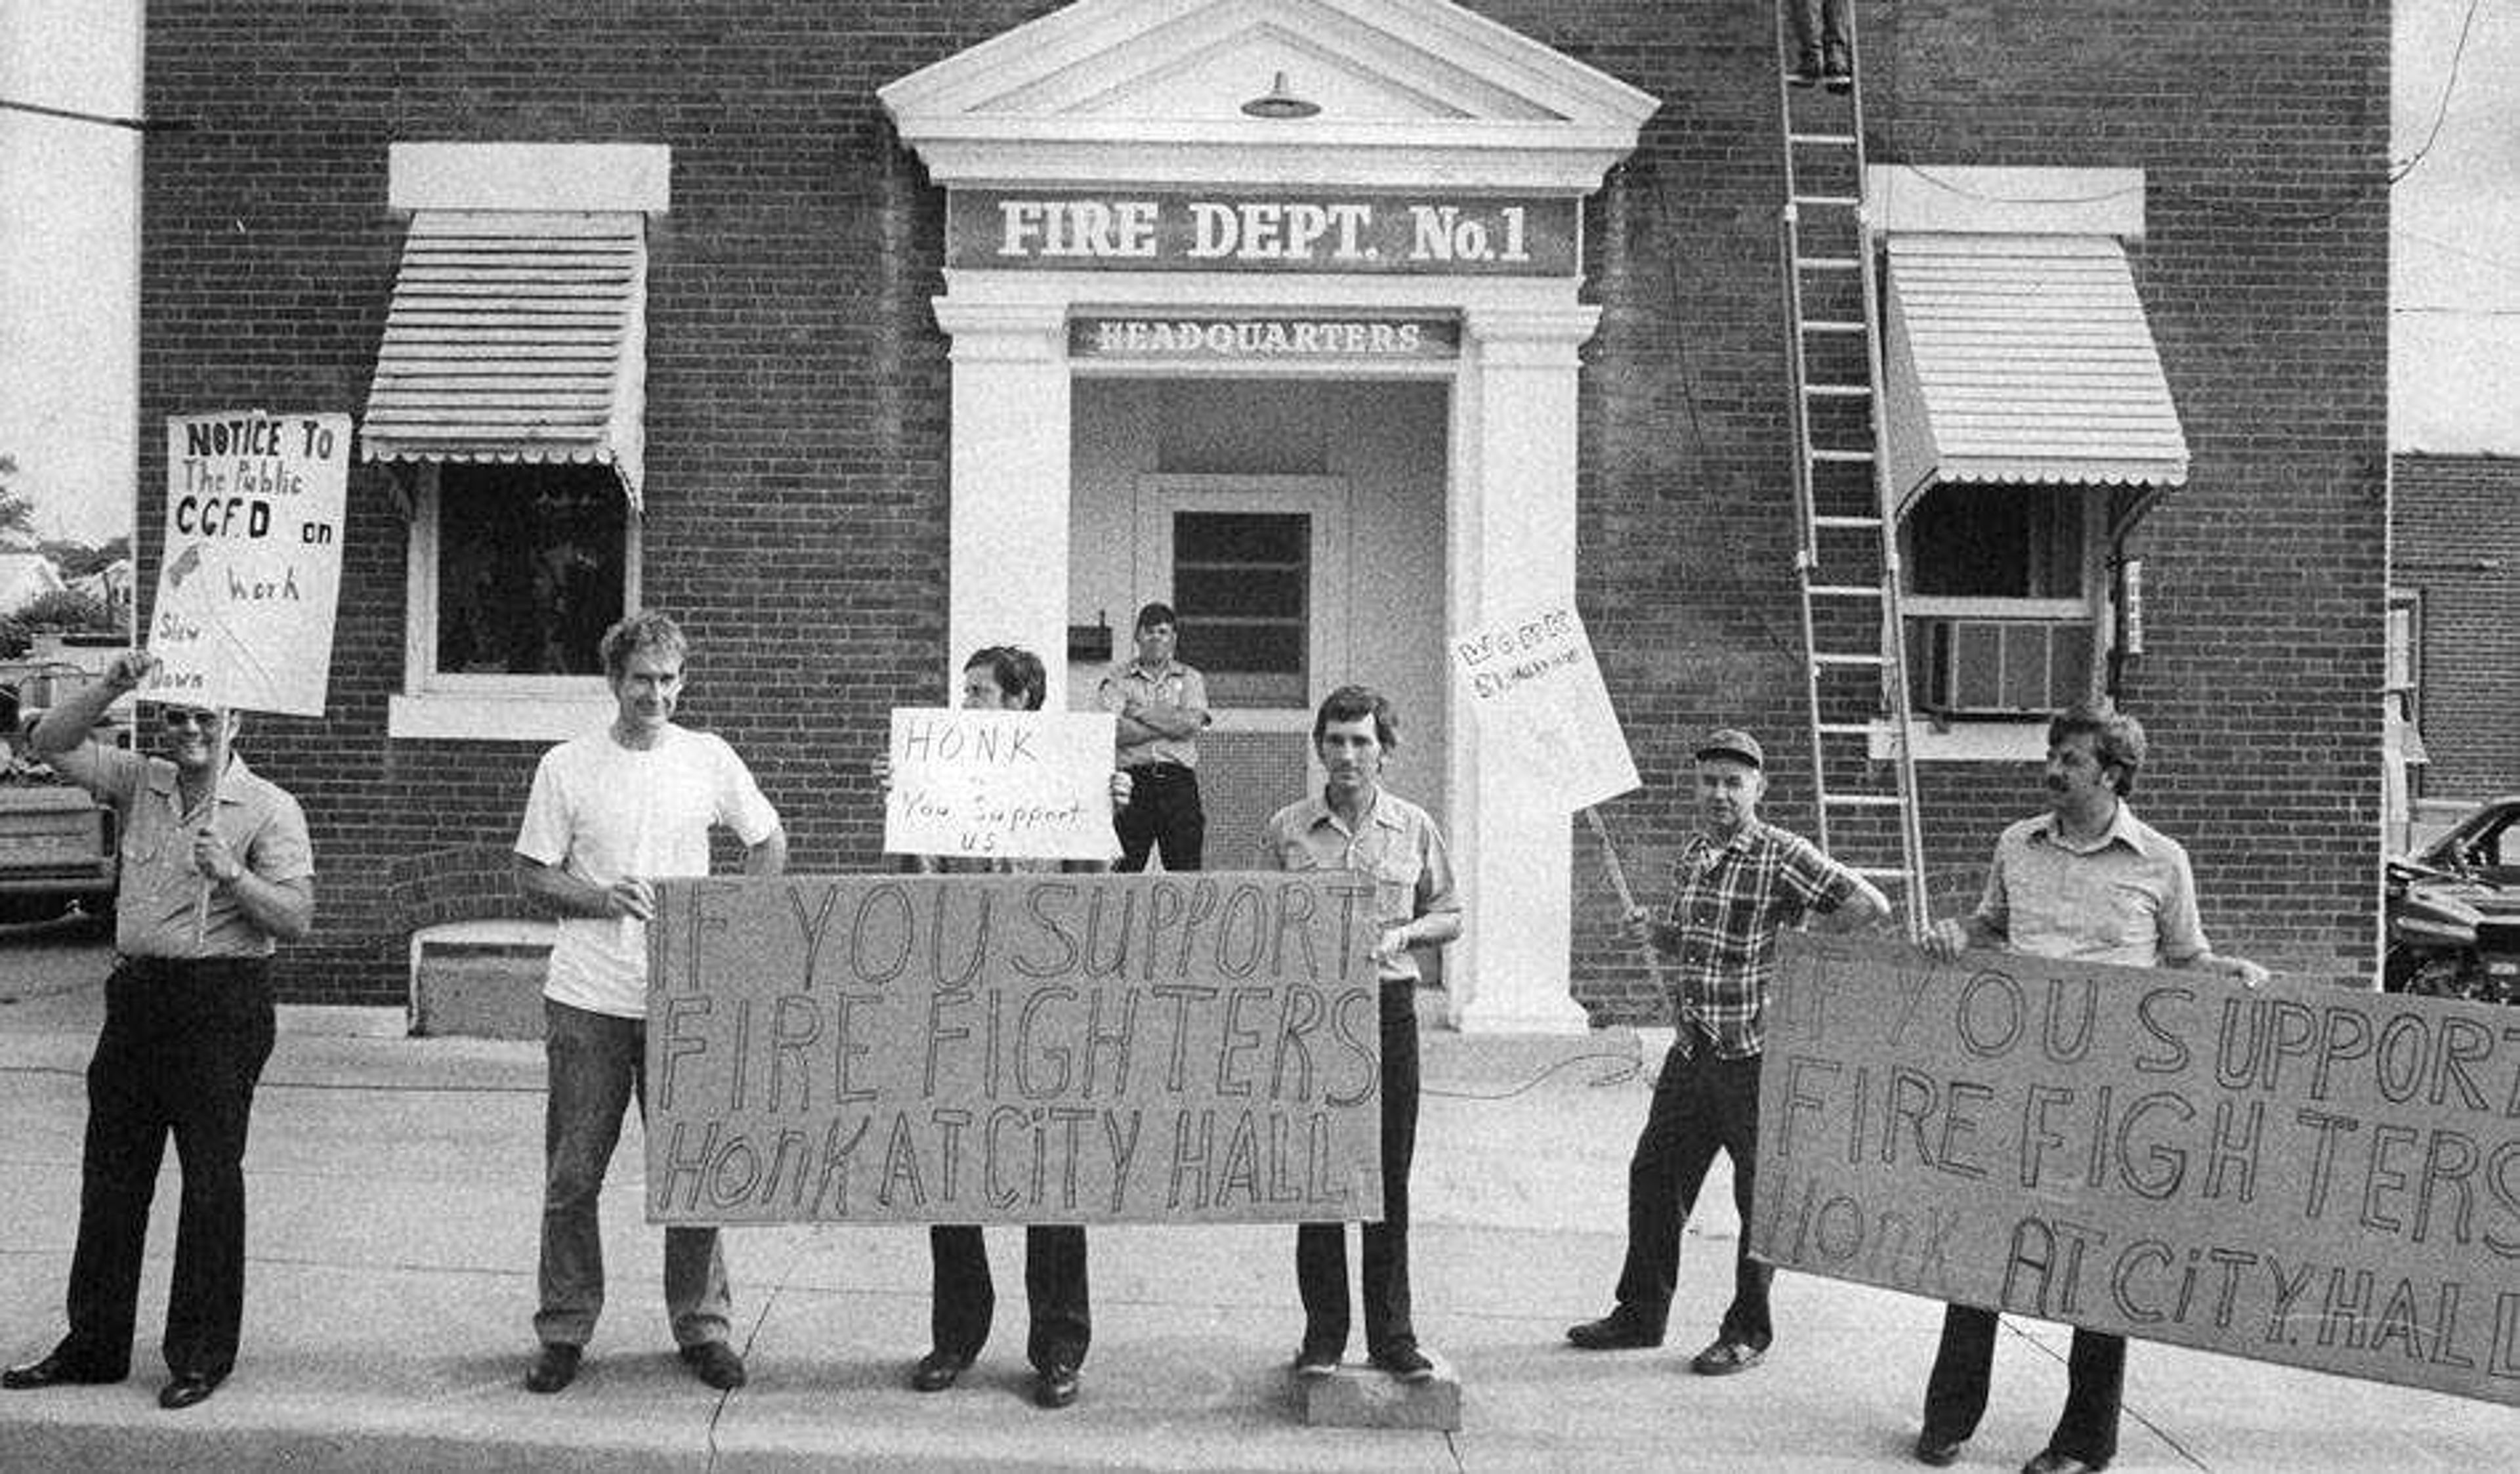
(2001, 599)
(530, 568)
(1240, 582)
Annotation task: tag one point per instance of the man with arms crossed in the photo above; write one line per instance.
(1159, 706)
(217, 867)
(611, 812)
(1354, 824)
(1743, 880)
(2089, 881)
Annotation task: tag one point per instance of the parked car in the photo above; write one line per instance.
(2453, 911)
(56, 844)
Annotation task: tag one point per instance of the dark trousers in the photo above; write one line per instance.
(1700, 1104)
(1054, 1288)
(183, 1046)
(1321, 1249)
(1817, 21)
(1162, 811)
(2095, 1380)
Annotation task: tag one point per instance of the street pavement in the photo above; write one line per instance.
(395, 1195)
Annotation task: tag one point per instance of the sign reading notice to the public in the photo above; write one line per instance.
(251, 565)
(1542, 704)
(1000, 785)
(1014, 1049)
(2318, 1177)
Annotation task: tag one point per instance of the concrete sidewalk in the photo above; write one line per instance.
(395, 1190)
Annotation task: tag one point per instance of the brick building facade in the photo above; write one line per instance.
(799, 408)
(2455, 544)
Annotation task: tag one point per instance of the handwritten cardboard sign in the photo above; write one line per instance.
(1000, 785)
(2316, 1177)
(252, 572)
(1539, 697)
(1014, 1049)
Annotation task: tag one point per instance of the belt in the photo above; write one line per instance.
(215, 969)
(1161, 770)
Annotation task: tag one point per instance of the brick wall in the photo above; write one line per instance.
(2455, 522)
(797, 394)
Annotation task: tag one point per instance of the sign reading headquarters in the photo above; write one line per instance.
(1014, 1049)
(1479, 235)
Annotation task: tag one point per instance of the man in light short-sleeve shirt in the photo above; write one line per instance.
(610, 813)
(2088, 882)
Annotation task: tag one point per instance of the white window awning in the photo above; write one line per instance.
(2023, 358)
(515, 336)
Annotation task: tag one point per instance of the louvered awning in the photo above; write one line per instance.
(515, 336)
(2023, 358)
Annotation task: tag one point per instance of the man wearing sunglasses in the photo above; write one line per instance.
(216, 870)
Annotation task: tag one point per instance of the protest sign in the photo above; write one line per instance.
(252, 567)
(1014, 1049)
(2318, 1177)
(1539, 697)
(1000, 785)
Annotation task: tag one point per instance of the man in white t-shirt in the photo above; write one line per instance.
(610, 813)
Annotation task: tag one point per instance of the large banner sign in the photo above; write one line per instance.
(251, 571)
(2316, 1176)
(1539, 699)
(1014, 1049)
(1000, 785)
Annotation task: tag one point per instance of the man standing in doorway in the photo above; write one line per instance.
(1160, 706)
(2088, 881)
(1354, 824)
(610, 813)
(1742, 881)
(217, 867)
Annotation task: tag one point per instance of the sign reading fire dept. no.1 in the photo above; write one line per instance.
(1082, 230)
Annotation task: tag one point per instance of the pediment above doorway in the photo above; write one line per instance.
(1410, 93)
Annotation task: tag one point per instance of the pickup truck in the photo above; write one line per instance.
(58, 846)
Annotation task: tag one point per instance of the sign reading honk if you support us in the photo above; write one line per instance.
(1000, 785)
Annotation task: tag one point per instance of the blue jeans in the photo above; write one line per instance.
(599, 1064)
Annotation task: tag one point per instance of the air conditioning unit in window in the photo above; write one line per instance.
(1999, 667)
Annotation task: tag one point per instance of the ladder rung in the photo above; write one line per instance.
(1831, 657)
(1843, 140)
(1837, 391)
(1847, 200)
(1844, 591)
(1841, 455)
(1832, 326)
(1846, 521)
(1882, 872)
(1846, 728)
(1862, 800)
(1828, 264)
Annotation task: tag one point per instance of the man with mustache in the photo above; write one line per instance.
(610, 813)
(2089, 881)
(1742, 881)
(216, 868)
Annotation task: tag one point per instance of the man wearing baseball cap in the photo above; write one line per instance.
(1742, 881)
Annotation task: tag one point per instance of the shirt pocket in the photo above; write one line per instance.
(1395, 886)
(2135, 914)
(1293, 856)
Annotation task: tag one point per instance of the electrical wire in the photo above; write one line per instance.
(2441, 107)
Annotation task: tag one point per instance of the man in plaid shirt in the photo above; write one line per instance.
(1742, 881)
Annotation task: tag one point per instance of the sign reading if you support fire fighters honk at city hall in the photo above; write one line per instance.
(2308, 1176)
(1013, 1049)
(252, 567)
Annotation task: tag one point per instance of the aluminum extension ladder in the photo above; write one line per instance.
(1847, 562)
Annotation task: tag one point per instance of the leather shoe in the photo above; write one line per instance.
(1317, 1359)
(188, 1388)
(1939, 1452)
(2053, 1462)
(1612, 1332)
(1724, 1357)
(53, 1371)
(555, 1366)
(1403, 1360)
(716, 1364)
(1055, 1385)
(937, 1370)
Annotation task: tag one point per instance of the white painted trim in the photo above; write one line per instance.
(440, 716)
(467, 176)
(1965, 200)
(1965, 742)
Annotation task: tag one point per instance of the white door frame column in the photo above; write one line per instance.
(1007, 522)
